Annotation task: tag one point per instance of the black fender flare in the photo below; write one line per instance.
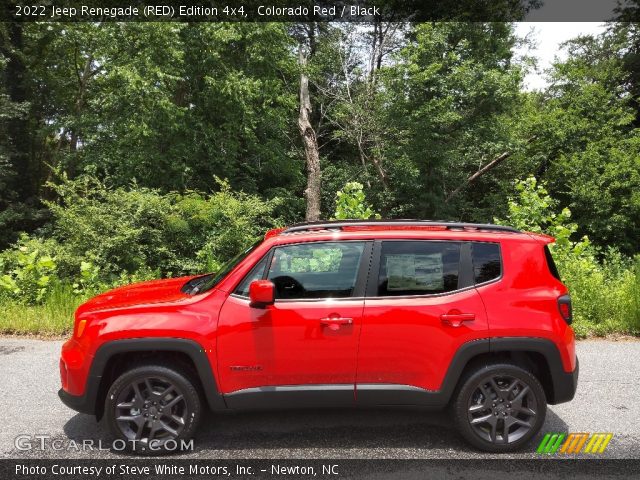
(87, 403)
(563, 383)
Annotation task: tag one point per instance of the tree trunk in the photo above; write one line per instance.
(375, 63)
(310, 141)
(20, 140)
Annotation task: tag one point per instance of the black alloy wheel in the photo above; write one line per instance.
(152, 408)
(502, 409)
(499, 408)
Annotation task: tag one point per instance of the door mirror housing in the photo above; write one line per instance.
(261, 293)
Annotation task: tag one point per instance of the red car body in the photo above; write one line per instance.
(364, 349)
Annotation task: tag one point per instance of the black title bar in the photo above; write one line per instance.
(320, 10)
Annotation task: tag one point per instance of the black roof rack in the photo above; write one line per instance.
(339, 224)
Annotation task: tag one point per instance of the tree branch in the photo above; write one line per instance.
(492, 164)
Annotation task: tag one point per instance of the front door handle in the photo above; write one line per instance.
(334, 322)
(455, 318)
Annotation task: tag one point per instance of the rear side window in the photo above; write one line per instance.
(487, 265)
(418, 268)
(550, 263)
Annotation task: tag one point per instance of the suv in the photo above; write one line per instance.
(337, 314)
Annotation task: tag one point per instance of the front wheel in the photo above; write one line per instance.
(499, 407)
(153, 409)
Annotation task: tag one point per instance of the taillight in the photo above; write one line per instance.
(564, 305)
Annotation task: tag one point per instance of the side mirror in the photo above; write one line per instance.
(261, 293)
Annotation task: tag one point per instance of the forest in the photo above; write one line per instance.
(131, 151)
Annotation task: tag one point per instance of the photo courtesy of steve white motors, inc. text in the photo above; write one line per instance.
(168, 469)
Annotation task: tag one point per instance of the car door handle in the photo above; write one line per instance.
(455, 318)
(334, 323)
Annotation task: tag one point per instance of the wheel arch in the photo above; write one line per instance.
(114, 357)
(539, 355)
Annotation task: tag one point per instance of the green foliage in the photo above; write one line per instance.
(27, 273)
(351, 203)
(209, 229)
(588, 145)
(106, 232)
(89, 279)
(320, 260)
(534, 210)
(105, 237)
(452, 98)
(139, 119)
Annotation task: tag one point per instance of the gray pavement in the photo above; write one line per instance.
(608, 400)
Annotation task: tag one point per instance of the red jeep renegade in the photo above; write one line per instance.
(336, 314)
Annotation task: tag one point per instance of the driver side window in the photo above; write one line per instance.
(316, 270)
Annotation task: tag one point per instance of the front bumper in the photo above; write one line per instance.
(79, 387)
(79, 403)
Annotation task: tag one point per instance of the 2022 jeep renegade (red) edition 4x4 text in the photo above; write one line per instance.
(336, 314)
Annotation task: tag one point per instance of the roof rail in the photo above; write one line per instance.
(339, 224)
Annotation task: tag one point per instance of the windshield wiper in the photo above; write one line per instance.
(193, 286)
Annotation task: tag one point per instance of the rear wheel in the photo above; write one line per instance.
(153, 409)
(499, 407)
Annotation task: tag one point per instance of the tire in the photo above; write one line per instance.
(504, 395)
(153, 408)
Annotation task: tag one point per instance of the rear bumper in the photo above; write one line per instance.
(565, 385)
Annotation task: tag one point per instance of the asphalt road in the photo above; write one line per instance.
(608, 400)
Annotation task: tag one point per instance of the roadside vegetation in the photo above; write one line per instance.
(130, 152)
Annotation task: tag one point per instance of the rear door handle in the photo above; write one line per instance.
(334, 323)
(455, 319)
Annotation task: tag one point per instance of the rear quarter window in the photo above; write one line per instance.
(487, 264)
(550, 263)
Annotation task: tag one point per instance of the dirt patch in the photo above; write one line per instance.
(34, 336)
(6, 350)
(614, 337)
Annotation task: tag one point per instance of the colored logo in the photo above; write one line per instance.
(574, 443)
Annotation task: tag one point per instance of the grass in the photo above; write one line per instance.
(53, 318)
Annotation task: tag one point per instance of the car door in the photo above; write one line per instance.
(304, 346)
(421, 306)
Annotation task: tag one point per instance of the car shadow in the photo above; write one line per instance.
(342, 429)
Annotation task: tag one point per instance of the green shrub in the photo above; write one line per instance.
(104, 233)
(116, 230)
(28, 271)
(351, 203)
(632, 296)
(206, 230)
(101, 238)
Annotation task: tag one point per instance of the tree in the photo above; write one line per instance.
(588, 146)
(452, 96)
(19, 162)
(307, 132)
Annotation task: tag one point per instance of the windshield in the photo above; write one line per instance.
(204, 283)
